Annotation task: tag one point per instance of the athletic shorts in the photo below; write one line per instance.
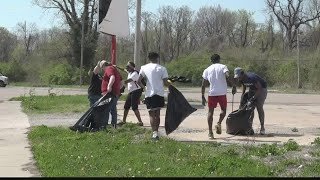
(214, 100)
(133, 100)
(154, 102)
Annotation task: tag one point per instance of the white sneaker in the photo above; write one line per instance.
(155, 136)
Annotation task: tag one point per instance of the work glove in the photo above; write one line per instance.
(204, 101)
(234, 90)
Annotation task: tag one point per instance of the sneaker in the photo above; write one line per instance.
(211, 136)
(218, 128)
(121, 123)
(155, 136)
(262, 131)
(140, 123)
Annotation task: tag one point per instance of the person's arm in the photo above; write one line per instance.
(244, 88)
(139, 81)
(128, 81)
(205, 83)
(258, 91)
(166, 82)
(231, 82)
(111, 82)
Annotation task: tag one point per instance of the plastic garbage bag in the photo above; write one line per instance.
(240, 121)
(178, 109)
(92, 120)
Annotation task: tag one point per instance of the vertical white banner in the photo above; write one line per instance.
(116, 21)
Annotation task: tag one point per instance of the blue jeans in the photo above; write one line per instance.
(112, 109)
(93, 99)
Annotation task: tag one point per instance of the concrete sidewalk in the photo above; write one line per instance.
(16, 159)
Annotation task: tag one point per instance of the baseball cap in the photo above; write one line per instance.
(104, 63)
(237, 72)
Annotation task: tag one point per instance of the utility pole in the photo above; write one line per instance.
(160, 22)
(138, 36)
(298, 58)
(82, 48)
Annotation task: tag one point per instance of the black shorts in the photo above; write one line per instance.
(154, 102)
(133, 100)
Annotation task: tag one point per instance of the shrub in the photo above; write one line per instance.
(13, 70)
(60, 74)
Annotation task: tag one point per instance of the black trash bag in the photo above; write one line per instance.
(240, 121)
(93, 120)
(178, 109)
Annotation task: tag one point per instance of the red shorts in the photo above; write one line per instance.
(214, 100)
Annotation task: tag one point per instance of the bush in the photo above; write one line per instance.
(13, 70)
(60, 74)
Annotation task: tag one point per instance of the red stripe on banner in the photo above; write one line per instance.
(114, 50)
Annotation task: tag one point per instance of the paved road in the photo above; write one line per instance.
(283, 111)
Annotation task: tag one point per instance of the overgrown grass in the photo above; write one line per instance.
(272, 149)
(55, 104)
(128, 151)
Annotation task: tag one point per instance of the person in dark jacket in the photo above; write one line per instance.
(94, 90)
(257, 91)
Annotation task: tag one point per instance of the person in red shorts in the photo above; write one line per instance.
(216, 76)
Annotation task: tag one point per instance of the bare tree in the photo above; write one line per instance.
(291, 14)
(213, 26)
(76, 12)
(244, 31)
(28, 34)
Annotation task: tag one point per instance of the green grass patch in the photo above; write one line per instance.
(265, 150)
(129, 151)
(312, 169)
(316, 141)
(55, 104)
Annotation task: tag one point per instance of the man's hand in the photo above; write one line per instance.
(234, 90)
(204, 101)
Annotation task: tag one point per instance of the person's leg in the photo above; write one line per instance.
(212, 104)
(113, 112)
(259, 105)
(93, 99)
(155, 103)
(127, 106)
(210, 122)
(223, 105)
(135, 105)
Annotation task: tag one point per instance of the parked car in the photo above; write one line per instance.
(4, 81)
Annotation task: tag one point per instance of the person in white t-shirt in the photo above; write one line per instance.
(216, 76)
(156, 77)
(135, 92)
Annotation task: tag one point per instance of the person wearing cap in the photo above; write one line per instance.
(111, 84)
(156, 77)
(257, 91)
(135, 92)
(217, 76)
(94, 90)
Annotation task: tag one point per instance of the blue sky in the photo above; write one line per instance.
(15, 11)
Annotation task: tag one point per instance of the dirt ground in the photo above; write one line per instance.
(288, 116)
